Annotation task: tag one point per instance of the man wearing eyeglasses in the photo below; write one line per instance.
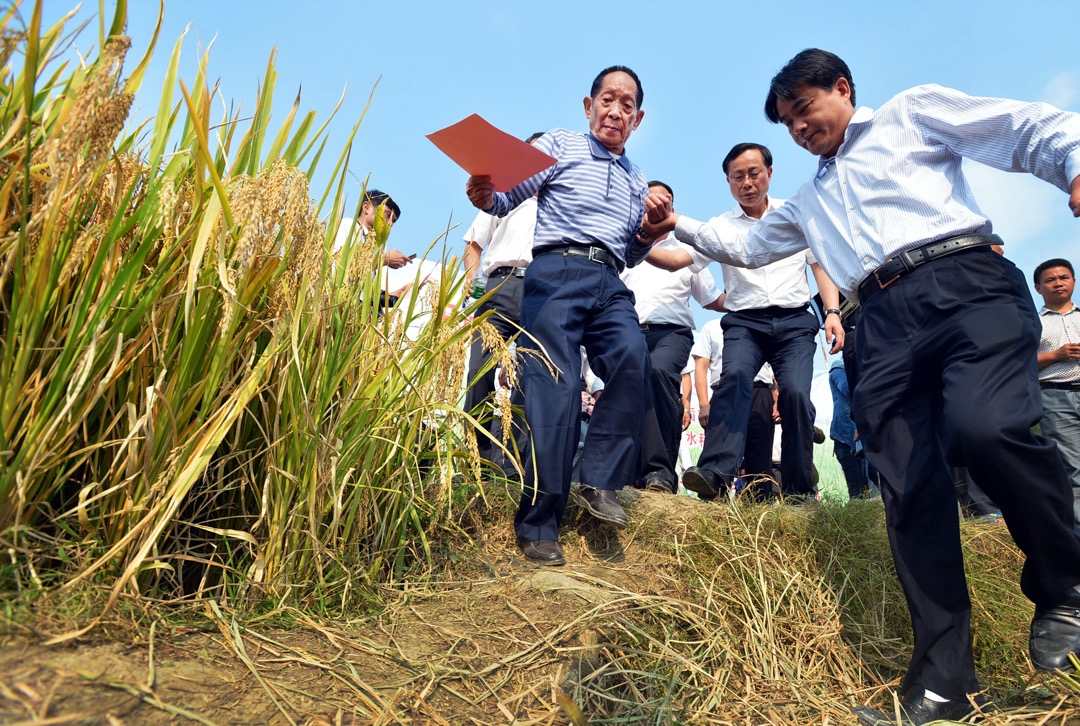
(1059, 366)
(769, 322)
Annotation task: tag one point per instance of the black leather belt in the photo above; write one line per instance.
(596, 254)
(647, 327)
(774, 310)
(895, 268)
(1059, 386)
(508, 271)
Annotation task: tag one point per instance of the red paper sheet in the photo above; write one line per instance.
(481, 149)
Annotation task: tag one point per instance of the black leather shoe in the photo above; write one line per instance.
(915, 710)
(658, 481)
(602, 504)
(702, 482)
(1055, 633)
(543, 551)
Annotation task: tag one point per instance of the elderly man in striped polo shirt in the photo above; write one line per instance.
(589, 208)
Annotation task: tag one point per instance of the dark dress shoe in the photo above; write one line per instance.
(543, 551)
(915, 710)
(602, 504)
(1055, 633)
(658, 481)
(702, 482)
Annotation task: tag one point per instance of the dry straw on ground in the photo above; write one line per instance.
(234, 489)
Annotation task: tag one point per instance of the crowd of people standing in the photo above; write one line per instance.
(948, 364)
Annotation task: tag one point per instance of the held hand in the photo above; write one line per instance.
(650, 232)
(481, 192)
(396, 259)
(658, 205)
(1069, 351)
(834, 333)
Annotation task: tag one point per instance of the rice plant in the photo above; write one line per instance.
(196, 396)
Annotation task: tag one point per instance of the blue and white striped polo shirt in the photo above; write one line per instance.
(590, 197)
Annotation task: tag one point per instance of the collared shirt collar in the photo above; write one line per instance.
(601, 152)
(772, 204)
(1047, 311)
(863, 115)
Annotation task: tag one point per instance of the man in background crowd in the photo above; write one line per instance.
(1059, 366)
(505, 245)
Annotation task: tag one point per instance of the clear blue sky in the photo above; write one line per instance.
(705, 67)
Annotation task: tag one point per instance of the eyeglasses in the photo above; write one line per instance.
(739, 177)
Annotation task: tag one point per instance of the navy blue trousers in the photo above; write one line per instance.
(785, 340)
(569, 302)
(947, 375)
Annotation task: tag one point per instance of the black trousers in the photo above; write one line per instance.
(669, 348)
(505, 304)
(947, 373)
(785, 339)
(760, 432)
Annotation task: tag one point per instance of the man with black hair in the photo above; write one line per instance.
(375, 202)
(769, 321)
(947, 338)
(1059, 366)
(589, 207)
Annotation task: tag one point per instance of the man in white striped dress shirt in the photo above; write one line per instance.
(1059, 365)
(945, 343)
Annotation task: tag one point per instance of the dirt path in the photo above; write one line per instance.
(494, 644)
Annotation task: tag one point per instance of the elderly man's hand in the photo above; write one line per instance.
(396, 259)
(658, 205)
(660, 218)
(481, 192)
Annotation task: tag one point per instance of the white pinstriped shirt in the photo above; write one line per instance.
(590, 197)
(1057, 330)
(896, 182)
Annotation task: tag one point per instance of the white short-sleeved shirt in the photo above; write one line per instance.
(507, 241)
(664, 297)
(1057, 330)
(782, 283)
(709, 344)
(345, 229)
